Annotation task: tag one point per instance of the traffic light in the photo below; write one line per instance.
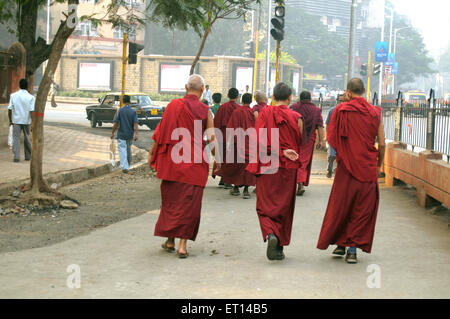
(363, 71)
(249, 50)
(133, 50)
(376, 68)
(277, 31)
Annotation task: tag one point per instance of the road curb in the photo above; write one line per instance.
(64, 178)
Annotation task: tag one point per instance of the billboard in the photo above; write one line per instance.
(173, 77)
(381, 51)
(243, 76)
(94, 76)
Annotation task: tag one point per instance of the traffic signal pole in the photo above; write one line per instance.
(369, 74)
(124, 67)
(277, 74)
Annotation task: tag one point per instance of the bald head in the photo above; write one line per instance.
(356, 86)
(195, 84)
(260, 97)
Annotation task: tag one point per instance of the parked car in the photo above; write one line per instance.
(105, 111)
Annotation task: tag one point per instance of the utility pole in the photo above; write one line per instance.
(268, 48)
(380, 84)
(351, 44)
(369, 74)
(390, 44)
(124, 67)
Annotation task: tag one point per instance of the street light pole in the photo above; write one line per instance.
(380, 84)
(268, 48)
(351, 45)
(390, 43)
(395, 50)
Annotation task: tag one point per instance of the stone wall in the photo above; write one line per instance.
(144, 76)
(4, 125)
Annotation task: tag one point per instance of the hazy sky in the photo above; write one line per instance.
(432, 18)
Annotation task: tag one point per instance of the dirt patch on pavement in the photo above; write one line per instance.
(104, 201)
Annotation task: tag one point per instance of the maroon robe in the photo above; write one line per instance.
(234, 172)
(353, 205)
(182, 183)
(275, 190)
(258, 107)
(220, 122)
(312, 120)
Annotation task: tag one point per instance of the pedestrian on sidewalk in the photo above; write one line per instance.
(312, 123)
(220, 122)
(183, 180)
(331, 150)
(242, 121)
(207, 96)
(20, 111)
(352, 208)
(127, 121)
(261, 99)
(276, 181)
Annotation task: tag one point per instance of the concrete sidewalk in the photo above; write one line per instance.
(411, 249)
(64, 150)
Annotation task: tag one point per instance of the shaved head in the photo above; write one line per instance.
(195, 83)
(356, 86)
(260, 97)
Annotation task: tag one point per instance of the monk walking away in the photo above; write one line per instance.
(312, 123)
(183, 178)
(261, 100)
(277, 178)
(220, 122)
(351, 214)
(242, 122)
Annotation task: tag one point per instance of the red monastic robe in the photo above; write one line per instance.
(275, 189)
(353, 205)
(182, 183)
(234, 172)
(312, 120)
(258, 107)
(221, 119)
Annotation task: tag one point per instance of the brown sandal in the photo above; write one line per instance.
(167, 248)
(182, 255)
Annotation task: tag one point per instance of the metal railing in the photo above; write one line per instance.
(419, 123)
(423, 123)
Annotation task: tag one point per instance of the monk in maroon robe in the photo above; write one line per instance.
(261, 99)
(352, 208)
(312, 122)
(220, 122)
(276, 173)
(178, 159)
(242, 122)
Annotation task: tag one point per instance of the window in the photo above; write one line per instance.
(133, 3)
(86, 28)
(118, 32)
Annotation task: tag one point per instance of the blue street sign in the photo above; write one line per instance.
(395, 68)
(391, 57)
(381, 51)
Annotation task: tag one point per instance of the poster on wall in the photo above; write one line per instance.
(94, 76)
(295, 82)
(243, 77)
(173, 77)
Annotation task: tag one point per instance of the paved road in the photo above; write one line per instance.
(411, 251)
(73, 116)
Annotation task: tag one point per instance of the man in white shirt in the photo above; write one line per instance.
(207, 95)
(21, 106)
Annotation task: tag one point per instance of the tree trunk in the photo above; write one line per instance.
(199, 53)
(38, 184)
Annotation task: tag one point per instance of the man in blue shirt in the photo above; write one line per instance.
(332, 151)
(127, 121)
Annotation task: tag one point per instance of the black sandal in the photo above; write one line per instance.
(167, 248)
